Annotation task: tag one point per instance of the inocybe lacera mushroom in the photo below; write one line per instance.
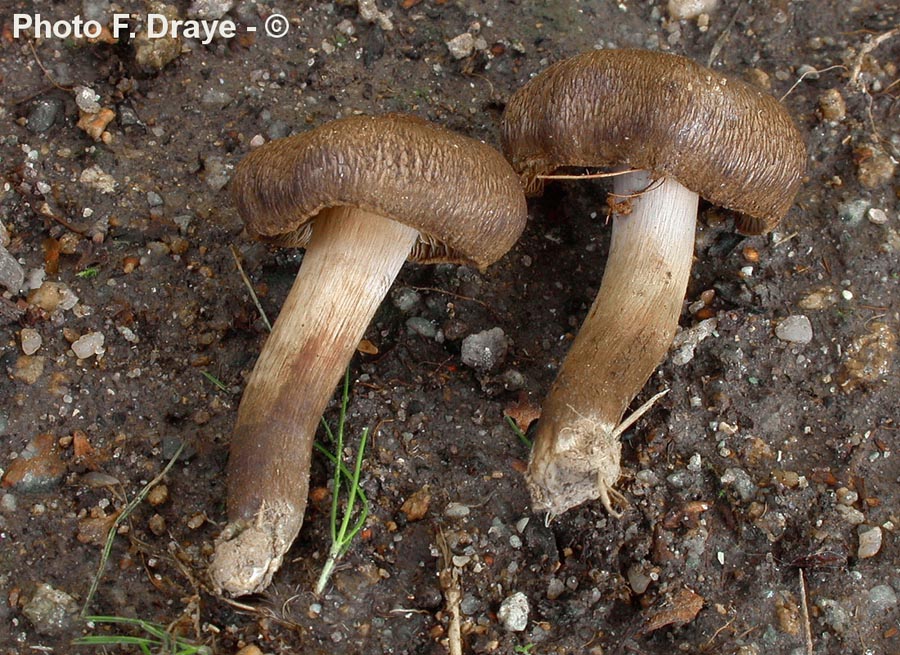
(687, 131)
(362, 195)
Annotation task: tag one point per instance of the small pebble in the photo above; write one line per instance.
(869, 543)
(96, 178)
(850, 515)
(12, 275)
(215, 98)
(832, 106)
(88, 345)
(637, 579)
(555, 588)
(456, 510)
(877, 216)
(43, 114)
(51, 611)
(158, 495)
(740, 481)
(209, 9)
(513, 612)
(795, 329)
(406, 299)
(215, 172)
(422, 326)
(836, 617)
(876, 170)
(87, 99)
(882, 598)
(157, 525)
(31, 340)
(461, 45)
(156, 53)
(485, 350)
(154, 199)
(687, 9)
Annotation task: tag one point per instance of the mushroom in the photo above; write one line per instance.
(681, 131)
(362, 194)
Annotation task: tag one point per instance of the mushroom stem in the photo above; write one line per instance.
(351, 260)
(623, 338)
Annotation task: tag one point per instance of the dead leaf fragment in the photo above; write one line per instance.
(679, 610)
(522, 411)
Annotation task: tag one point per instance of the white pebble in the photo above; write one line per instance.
(795, 329)
(685, 9)
(513, 612)
(31, 340)
(456, 510)
(877, 216)
(88, 345)
(869, 543)
(461, 46)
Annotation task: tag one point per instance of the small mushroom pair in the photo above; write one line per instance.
(362, 195)
(681, 131)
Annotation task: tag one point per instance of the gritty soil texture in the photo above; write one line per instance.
(751, 486)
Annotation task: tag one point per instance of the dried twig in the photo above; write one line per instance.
(449, 579)
(807, 631)
(259, 308)
(866, 49)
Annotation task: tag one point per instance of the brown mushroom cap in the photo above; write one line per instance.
(460, 194)
(730, 142)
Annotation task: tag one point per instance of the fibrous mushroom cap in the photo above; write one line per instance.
(730, 142)
(460, 194)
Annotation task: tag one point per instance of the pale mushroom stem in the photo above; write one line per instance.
(623, 339)
(350, 263)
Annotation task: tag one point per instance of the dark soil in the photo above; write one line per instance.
(749, 485)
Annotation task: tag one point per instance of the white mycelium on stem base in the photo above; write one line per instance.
(350, 263)
(622, 340)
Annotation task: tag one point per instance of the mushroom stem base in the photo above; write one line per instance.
(624, 337)
(350, 263)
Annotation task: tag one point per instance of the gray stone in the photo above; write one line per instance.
(513, 612)
(215, 172)
(485, 350)
(422, 326)
(87, 99)
(456, 510)
(834, 615)
(12, 275)
(209, 9)
(406, 299)
(795, 329)
(461, 45)
(278, 129)
(469, 605)
(154, 199)
(215, 98)
(50, 610)
(882, 598)
(43, 114)
(739, 480)
(97, 10)
(555, 588)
